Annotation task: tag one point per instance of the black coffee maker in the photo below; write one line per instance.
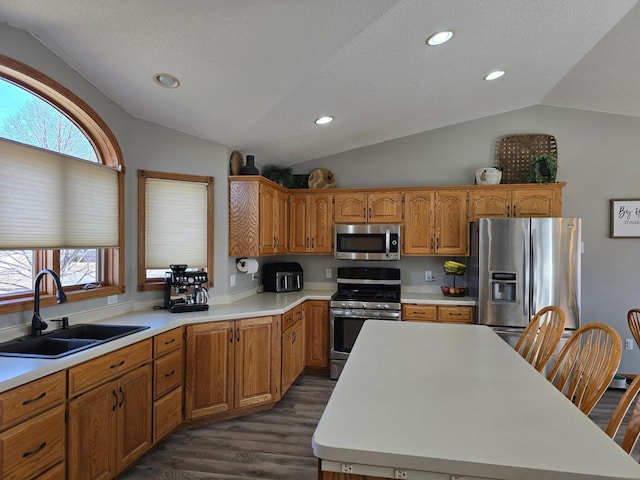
(185, 291)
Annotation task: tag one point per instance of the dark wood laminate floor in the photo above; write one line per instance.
(271, 445)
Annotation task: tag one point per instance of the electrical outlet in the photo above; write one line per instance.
(328, 273)
(347, 468)
(232, 281)
(112, 299)
(399, 473)
(628, 344)
(428, 276)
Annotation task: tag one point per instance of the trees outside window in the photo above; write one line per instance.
(37, 111)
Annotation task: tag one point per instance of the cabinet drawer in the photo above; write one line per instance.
(419, 312)
(33, 446)
(167, 414)
(54, 473)
(28, 400)
(107, 367)
(168, 341)
(291, 317)
(167, 373)
(456, 314)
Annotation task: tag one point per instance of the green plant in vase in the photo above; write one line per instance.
(280, 175)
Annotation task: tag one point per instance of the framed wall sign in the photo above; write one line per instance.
(625, 218)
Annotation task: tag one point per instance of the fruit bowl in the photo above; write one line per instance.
(453, 291)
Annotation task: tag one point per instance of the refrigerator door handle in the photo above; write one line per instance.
(526, 288)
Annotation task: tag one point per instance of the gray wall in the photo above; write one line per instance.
(598, 158)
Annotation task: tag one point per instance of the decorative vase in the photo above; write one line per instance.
(236, 163)
(250, 168)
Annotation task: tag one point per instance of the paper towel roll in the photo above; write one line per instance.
(247, 265)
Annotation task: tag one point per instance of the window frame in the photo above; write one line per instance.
(154, 284)
(108, 152)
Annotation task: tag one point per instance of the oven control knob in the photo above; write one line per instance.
(364, 305)
(378, 306)
(385, 306)
(350, 305)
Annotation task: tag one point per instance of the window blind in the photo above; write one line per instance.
(50, 200)
(176, 223)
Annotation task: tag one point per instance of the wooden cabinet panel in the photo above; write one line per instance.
(168, 341)
(516, 201)
(167, 414)
(489, 203)
(86, 375)
(244, 218)
(536, 203)
(436, 223)
(54, 473)
(91, 430)
(375, 207)
(28, 400)
(231, 364)
(438, 313)
(167, 373)
(316, 331)
(311, 223)
(351, 207)
(455, 314)
(110, 426)
(254, 353)
(292, 355)
(33, 446)
(413, 312)
(134, 416)
(452, 226)
(419, 223)
(209, 369)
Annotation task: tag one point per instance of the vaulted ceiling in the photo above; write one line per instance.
(255, 74)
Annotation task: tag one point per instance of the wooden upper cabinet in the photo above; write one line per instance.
(311, 223)
(530, 200)
(363, 207)
(418, 233)
(258, 217)
(452, 225)
(435, 222)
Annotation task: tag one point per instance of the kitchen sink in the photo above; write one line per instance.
(66, 341)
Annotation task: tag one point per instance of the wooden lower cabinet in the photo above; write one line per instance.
(34, 446)
(110, 426)
(168, 369)
(437, 313)
(231, 365)
(292, 354)
(316, 331)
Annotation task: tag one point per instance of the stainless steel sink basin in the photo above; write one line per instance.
(60, 343)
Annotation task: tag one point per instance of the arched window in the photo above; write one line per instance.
(54, 149)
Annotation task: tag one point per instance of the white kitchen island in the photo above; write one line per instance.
(453, 402)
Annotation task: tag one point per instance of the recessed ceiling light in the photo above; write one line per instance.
(494, 75)
(166, 80)
(324, 120)
(440, 37)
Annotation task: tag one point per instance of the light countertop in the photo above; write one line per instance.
(18, 371)
(441, 400)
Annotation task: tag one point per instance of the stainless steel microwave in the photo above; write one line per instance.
(367, 241)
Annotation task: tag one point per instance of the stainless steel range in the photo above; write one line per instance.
(364, 293)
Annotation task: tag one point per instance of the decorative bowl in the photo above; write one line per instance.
(488, 176)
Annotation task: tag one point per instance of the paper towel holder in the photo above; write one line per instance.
(244, 265)
(241, 264)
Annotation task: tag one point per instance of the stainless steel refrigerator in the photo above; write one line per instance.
(520, 265)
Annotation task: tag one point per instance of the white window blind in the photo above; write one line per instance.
(49, 200)
(176, 223)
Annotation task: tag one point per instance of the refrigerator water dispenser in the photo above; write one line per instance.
(503, 287)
